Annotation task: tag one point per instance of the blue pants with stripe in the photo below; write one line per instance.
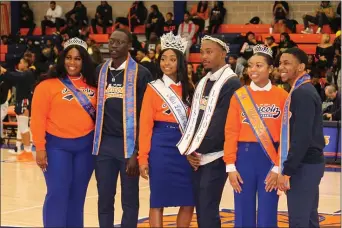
(70, 166)
(253, 165)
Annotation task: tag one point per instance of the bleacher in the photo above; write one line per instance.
(230, 33)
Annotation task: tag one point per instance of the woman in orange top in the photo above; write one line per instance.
(252, 135)
(163, 118)
(62, 126)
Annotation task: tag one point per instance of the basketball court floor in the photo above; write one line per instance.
(23, 191)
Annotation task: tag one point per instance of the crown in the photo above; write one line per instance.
(175, 42)
(75, 41)
(259, 48)
(216, 40)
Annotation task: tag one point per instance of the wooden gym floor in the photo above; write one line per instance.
(23, 191)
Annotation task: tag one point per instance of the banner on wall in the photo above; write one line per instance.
(332, 136)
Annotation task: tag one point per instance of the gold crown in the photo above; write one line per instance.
(174, 42)
(75, 41)
(260, 48)
(220, 42)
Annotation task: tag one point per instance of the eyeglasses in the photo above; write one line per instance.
(117, 42)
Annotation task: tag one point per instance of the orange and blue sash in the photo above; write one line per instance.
(129, 106)
(257, 123)
(285, 124)
(80, 97)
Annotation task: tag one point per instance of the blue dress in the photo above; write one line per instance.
(170, 172)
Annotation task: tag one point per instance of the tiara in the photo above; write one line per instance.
(216, 40)
(259, 48)
(175, 42)
(75, 41)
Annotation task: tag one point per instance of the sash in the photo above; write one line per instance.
(175, 104)
(129, 106)
(285, 123)
(189, 143)
(257, 123)
(82, 99)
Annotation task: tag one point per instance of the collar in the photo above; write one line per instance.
(217, 74)
(168, 81)
(267, 87)
(121, 67)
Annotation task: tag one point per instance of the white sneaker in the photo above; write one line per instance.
(307, 31)
(318, 31)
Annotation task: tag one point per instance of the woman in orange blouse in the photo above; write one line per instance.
(250, 148)
(62, 125)
(163, 118)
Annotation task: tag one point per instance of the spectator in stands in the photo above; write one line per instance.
(70, 31)
(53, 18)
(152, 42)
(84, 32)
(158, 50)
(200, 71)
(144, 60)
(325, 54)
(137, 15)
(170, 25)
(136, 45)
(311, 67)
(103, 17)
(270, 42)
(200, 13)
(245, 80)
(323, 15)
(94, 52)
(152, 55)
(4, 40)
(337, 43)
(26, 18)
(334, 73)
(187, 30)
(247, 48)
(32, 46)
(315, 82)
(155, 22)
(78, 14)
(24, 81)
(280, 13)
(336, 22)
(334, 112)
(235, 66)
(285, 42)
(192, 76)
(217, 16)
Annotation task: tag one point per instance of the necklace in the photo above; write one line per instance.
(74, 79)
(114, 76)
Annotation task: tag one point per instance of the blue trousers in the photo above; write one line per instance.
(303, 197)
(253, 166)
(70, 166)
(107, 169)
(208, 184)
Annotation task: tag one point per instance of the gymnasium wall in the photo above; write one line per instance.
(238, 12)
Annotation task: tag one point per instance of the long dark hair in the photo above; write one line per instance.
(204, 4)
(182, 75)
(88, 69)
